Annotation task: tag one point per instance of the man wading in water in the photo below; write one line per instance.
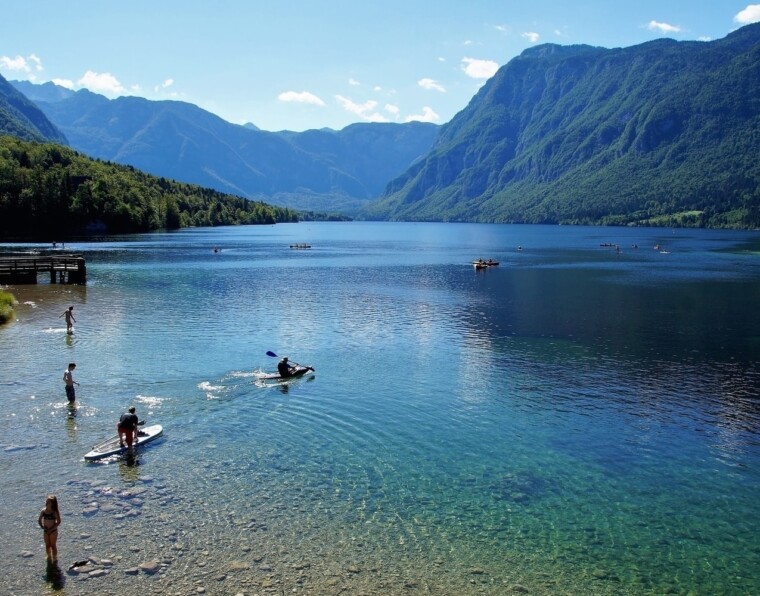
(68, 378)
(127, 427)
(70, 320)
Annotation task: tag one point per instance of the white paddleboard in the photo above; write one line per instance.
(112, 447)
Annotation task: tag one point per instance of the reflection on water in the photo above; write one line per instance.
(129, 467)
(575, 420)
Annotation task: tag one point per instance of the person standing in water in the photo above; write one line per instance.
(70, 320)
(68, 379)
(49, 520)
(127, 427)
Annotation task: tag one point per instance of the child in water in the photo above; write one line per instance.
(49, 520)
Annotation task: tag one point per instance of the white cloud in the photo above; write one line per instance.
(366, 111)
(37, 62)
(431, 85)
(392, 109)
(428, 115)
(353, 82)
(751, 14)
(502, 28)
(161, 88)
(663, 27)
(64, 83)
(375, 117)
(101, 82)
(356, 108)
(479, 69)
(531, 36)
(19, 64)
(302, 97)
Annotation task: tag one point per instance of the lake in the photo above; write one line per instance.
(582, 418)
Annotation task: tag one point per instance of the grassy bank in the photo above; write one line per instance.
(7, 302)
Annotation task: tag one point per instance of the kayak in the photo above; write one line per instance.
(298, 372)
(111, 446)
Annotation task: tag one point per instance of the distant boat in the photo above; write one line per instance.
(482, 264)
(300, 246)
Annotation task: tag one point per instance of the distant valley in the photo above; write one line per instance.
(317, 170)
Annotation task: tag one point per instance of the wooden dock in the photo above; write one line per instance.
(25, 268)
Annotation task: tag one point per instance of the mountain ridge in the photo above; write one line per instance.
(315, 170)
(21, 118)
(579, 134)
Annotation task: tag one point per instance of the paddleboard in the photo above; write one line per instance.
(111, 446)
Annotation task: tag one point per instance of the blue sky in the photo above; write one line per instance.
(300, 64)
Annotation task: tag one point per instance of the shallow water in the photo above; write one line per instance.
(576, 420)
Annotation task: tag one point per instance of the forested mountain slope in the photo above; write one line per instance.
(50, 192)
(663, 133)
(21, 118)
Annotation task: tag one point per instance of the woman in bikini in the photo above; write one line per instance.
(49, 520)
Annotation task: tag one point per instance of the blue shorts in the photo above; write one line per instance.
(70, 393)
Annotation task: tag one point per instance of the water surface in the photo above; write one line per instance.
(579, 419)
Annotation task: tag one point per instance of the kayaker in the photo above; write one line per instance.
(284, 368)
(127, 427)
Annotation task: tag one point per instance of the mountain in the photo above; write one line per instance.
(21, 118)
(318, 170)
(663, 133)
(42, 92)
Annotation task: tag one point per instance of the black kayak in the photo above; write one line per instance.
(299, 371)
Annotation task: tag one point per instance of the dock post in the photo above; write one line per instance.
(80, 275)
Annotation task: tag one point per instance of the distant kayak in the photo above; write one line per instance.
(112, 447)
(298, 372)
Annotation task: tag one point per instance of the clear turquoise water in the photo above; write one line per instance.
(576, 421)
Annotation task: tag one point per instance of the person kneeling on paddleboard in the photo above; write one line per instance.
(284, 368)
(127, 427)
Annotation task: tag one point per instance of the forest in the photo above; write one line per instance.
(49, 192)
